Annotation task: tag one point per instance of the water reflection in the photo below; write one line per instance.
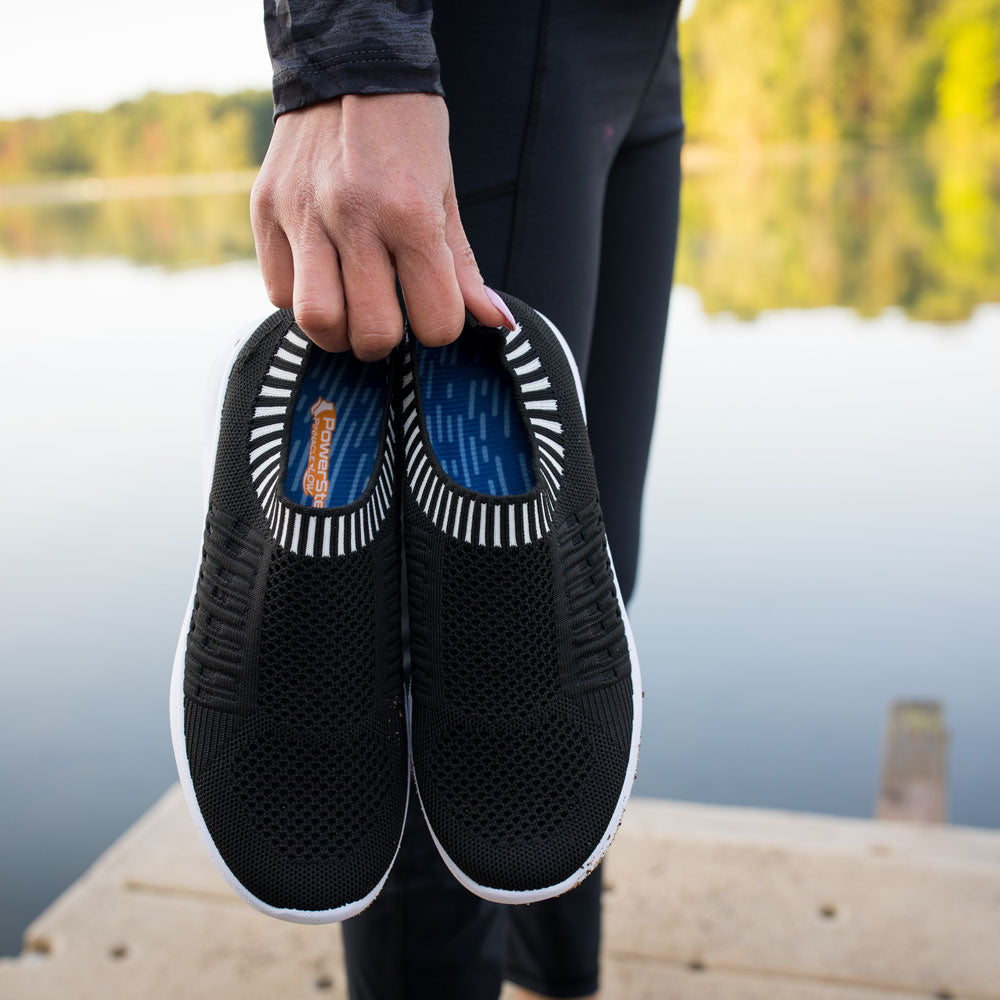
(866, 231)
(173, 232)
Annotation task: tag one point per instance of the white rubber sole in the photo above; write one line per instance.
(512, 896)
(214, 400)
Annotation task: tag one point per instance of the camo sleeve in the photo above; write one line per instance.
(324, 48)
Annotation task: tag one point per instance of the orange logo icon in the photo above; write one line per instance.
(316, 481)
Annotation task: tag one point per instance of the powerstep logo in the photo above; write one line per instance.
(316, 481)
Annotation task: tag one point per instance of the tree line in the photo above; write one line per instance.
(157, 134)
(756, 72)
(871, 71)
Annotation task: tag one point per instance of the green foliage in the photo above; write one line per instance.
(756, 72)
(157, 134)
(969, 84)
(764, 71)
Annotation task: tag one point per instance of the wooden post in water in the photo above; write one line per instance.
(915, 764)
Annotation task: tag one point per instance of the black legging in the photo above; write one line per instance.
(565, 135)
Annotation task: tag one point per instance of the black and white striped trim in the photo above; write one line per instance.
(479, 519)
(301, 531)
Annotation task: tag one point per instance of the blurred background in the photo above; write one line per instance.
(821, 531)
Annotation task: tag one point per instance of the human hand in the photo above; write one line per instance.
(351, 192)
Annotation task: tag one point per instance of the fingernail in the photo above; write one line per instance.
(502, 306)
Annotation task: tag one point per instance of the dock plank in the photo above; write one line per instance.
(881, 905)
(703, 903)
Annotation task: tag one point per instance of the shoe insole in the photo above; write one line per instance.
(472, 417)
(335, 429)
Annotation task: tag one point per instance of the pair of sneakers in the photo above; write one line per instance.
(294, 729)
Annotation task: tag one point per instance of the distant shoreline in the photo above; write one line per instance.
(91, 189)
(696, 158)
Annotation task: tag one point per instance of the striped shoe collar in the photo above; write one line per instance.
(303, 530)
(480, 518)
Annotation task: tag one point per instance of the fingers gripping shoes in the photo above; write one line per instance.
(287, 705)
(526, 698)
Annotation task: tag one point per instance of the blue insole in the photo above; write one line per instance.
(472, 417)
(335, 429)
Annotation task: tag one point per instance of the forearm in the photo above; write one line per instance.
(321, 49)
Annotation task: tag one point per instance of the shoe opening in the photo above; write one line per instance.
(335, 429)
(472, 416)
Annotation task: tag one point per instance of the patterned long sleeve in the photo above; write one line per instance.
(321, 49)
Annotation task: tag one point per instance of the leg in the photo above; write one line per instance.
(640, 229)
(553, 946)
(540, 98)
(425, 936)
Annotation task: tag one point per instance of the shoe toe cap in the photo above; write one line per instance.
(306, 821)
(520, 805)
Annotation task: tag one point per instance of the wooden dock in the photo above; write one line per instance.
(703, 903)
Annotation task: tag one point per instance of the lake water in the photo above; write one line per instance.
(821, 531)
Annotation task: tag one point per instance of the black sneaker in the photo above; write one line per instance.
(287, 707)
(526, 698)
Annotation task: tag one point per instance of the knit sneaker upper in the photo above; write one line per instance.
(293, 701)
(522, 683)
